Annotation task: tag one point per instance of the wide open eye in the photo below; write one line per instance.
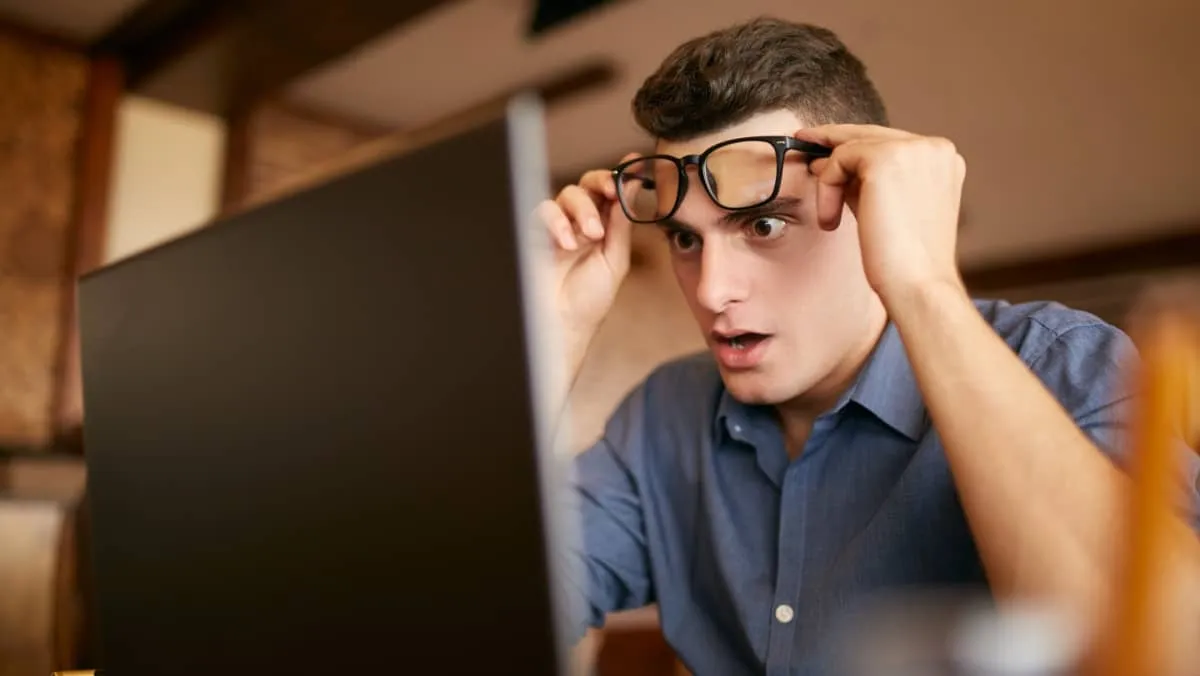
(683, 241)
(766, 227)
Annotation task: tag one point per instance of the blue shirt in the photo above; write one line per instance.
(689, 500)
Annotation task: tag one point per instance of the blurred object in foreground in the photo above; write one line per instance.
(1154, 627)
(39, 604)
(952, 633)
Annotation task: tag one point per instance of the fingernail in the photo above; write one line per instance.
(595, 228)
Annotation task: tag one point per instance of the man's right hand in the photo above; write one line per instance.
(591, 239)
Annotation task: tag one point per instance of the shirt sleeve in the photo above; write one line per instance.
(609, 552)
(1092, 369)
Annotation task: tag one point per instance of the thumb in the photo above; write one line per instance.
(618, 239)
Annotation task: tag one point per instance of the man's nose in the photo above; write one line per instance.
(721, 281)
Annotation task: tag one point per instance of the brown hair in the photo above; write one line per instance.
(730, 75)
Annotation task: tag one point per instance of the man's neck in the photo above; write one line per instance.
(797, 416)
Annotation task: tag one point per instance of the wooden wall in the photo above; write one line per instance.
(41, 113)
(649, 324)
(1109, 281)
(56, 113)
(274, 142)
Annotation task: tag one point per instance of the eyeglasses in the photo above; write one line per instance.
(738, 173)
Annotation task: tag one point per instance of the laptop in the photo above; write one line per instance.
(316, 431)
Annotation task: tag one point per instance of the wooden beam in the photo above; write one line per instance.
(549, 15)
(276, 138)
(235, 172)
(571, 82)
(85, 248)
(321, 115)
(158, 31)
(1175, 250)
(17, 28)
(219, 56)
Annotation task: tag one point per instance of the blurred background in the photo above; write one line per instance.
(124, 123)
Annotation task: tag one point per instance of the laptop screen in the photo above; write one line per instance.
(313, 431)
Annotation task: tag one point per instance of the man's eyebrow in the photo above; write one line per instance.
(787, 204)
(670, 225)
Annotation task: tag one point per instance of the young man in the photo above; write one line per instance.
(859, 423)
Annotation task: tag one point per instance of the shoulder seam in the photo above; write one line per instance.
(1058, 335)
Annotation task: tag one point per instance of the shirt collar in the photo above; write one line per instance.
(886, 387)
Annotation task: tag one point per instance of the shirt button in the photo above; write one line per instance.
(784, 613)
(737, 429)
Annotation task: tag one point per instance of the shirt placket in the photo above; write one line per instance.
(793, 519)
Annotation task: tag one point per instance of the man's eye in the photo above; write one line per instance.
(683, 241)
(643, 182)
(767, 227)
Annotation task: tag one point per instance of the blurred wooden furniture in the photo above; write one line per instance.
(41, 609)
(632, 644)
(37, 613)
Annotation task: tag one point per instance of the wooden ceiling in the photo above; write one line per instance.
(218, 55)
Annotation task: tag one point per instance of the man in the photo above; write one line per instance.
(859, 424)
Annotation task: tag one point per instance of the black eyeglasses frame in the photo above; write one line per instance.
(782, 145)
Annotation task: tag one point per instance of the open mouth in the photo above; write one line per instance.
(743, 341)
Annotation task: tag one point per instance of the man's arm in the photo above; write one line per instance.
(608, 556)
(612, 538)
(1044, 503)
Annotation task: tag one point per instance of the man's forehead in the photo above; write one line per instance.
(772, 123)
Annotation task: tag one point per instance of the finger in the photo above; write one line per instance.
(834, 177)
(629, 156)
(847, 162)
(558, 225)
(830, 202)
(600, 182)
(603, 182)
(580, 207)
(839, 134)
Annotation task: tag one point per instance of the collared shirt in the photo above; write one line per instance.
(690, 500)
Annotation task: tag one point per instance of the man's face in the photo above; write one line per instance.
(784, 305)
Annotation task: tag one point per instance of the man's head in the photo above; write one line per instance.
(798, 292)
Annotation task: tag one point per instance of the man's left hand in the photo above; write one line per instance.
(904, 190)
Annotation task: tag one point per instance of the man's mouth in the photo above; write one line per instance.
(742, 341)
(740, 350)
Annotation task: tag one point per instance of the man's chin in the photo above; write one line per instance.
(752, 387)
